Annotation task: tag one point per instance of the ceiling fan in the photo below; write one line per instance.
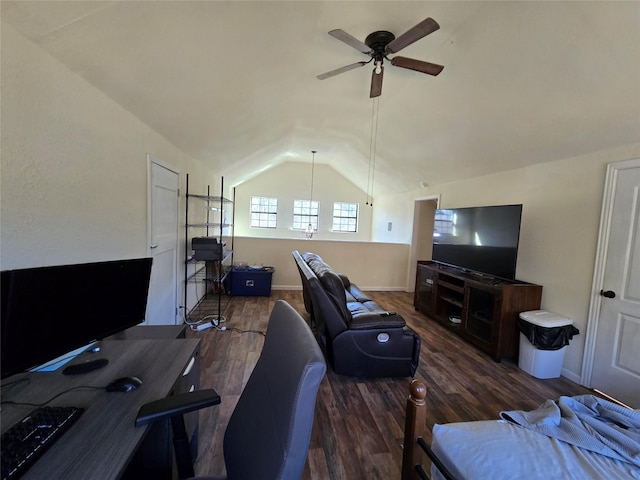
(380, 44)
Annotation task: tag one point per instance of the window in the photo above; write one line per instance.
(345, 217)
(264, 212)
(305, 212)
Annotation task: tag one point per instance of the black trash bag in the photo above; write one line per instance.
(547, 338)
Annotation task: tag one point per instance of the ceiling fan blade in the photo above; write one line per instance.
(340, 70)
(424, 28)
(376, 83)
(417, 65)
(350, 40)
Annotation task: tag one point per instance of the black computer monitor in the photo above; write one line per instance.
(50, 311)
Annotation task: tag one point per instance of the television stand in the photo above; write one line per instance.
(487, 307)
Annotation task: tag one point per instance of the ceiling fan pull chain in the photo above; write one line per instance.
(376, 104)
(371, 138)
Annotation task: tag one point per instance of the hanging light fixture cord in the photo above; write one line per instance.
(308, 233)
(313, 166)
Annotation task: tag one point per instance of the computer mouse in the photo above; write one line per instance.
(124, 384)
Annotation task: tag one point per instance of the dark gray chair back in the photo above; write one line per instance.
(268, 434)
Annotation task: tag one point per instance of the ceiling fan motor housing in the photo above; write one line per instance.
(378, 42)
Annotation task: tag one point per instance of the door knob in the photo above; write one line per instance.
(153, 245)
(608, 294)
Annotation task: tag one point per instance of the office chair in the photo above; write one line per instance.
(268, 434)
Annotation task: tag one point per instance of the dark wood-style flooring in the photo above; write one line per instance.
(358, 425)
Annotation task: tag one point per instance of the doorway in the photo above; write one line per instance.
(611, 361)
(422, 237)
(162, 233)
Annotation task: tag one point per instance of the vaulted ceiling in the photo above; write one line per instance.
(233, 83)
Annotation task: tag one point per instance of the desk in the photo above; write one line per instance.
(149, 332)
(104, 439)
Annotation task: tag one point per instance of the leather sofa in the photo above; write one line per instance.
(359, 337)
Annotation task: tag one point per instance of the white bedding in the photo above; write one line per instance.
(497, 449)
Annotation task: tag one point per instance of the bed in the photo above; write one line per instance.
(519, 446)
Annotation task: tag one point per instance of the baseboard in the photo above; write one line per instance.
(571, 376)
(286, 287)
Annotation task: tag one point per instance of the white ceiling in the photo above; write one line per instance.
(233, 82)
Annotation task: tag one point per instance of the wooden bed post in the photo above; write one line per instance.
(414, 425)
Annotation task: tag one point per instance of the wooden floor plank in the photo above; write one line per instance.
(357, 431)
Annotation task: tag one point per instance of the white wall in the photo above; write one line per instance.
(74, 166)
(397, 208)
(371, 266)
(292, 181)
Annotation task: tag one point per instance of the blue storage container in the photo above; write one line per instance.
(250, 282)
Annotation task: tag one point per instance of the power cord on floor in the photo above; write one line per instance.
(207, 322)
(247, 331)
(214, 321)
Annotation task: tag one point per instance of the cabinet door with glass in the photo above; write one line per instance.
(480, 317)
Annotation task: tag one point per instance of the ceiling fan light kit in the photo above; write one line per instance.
(378, 45)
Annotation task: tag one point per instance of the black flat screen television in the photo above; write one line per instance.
(48, 312)
(480, 239)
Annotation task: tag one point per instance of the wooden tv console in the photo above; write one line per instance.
(481, 309)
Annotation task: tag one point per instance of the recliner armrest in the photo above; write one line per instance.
(176, 405)
(376, 320)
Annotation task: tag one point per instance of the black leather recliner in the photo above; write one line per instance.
(359, 337)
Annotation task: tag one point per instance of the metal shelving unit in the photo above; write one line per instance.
(213, 219)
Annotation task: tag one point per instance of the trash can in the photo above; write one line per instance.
(544, 337)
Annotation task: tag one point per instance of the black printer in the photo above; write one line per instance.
(208, 248)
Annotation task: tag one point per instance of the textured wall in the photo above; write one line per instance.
(74, 165)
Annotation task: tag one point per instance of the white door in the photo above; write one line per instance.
(616, 351)
(162, 305)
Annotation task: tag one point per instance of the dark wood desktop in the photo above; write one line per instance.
(103, 442)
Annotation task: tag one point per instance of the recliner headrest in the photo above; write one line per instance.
(335, 289)
(308, 256)
(345, 281)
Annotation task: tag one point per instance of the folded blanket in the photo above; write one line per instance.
(588, 422)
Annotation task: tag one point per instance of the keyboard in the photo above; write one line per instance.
(24, 442)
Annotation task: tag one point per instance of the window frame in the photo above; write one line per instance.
(303, 214)
(350, 219)
(266, 216)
